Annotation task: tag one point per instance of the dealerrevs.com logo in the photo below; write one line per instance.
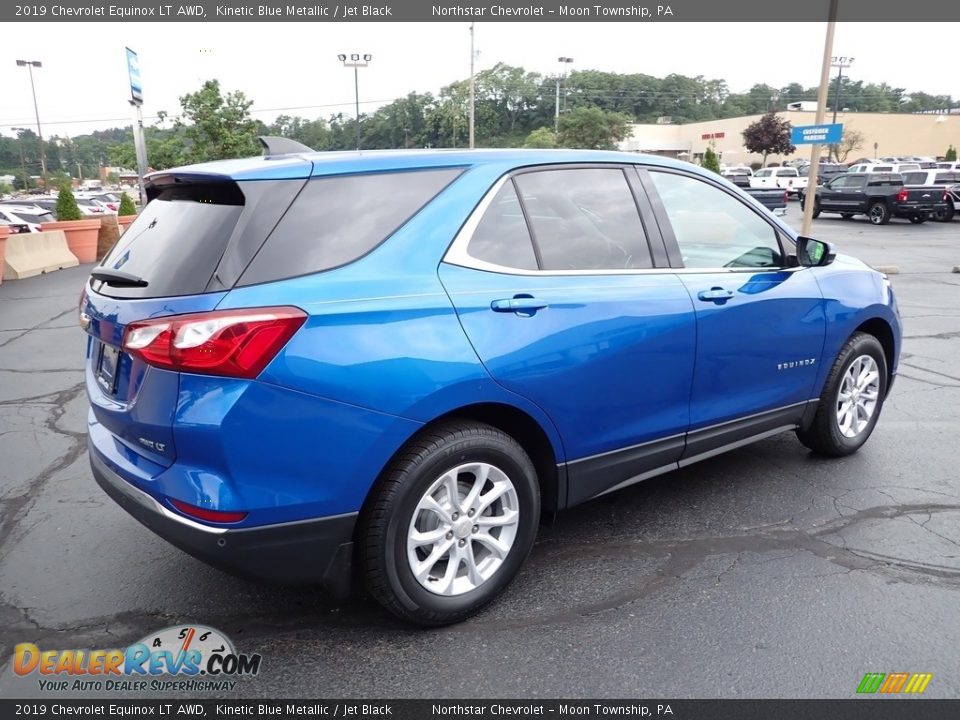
(202, 658)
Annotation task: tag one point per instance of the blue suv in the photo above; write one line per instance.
(381, 368)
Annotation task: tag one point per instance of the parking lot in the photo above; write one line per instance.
(766, 572)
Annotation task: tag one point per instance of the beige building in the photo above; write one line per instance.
(883, 134)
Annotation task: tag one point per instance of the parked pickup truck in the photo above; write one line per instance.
(773, 200)
(879, 196)
(785, 178)
(947, 179)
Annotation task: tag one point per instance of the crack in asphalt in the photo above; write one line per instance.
(15, 507)
(38, 326)
(677, 558)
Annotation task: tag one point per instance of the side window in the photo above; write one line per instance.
(336, 220)
(786, 173)
(842, 182)
(501, 237)
(584, 219)
(714, 229)
(762, 173)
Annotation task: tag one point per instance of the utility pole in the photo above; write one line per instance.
(811, 194)
(841, 63)
(473, 56)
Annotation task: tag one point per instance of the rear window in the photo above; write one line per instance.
(950, 178)
(177, 241)
(787, 173)
(336, 220)
(914, 178)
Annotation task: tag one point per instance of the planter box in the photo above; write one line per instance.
(4, 234)
(108, 236)
(81, 236)
(125, 221)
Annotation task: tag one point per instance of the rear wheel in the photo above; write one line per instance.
(846, 216)
(918, 219)
(879, 213)
(451, 524)
(945, 215)
(851, 400)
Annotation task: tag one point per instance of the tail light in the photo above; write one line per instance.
(902, 195)
(233, 343)
(199, 513)
(946, 195)
(786, 196)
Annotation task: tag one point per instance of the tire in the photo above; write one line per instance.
(879, 213)
(399, 514)
(945, 215)
(918, 219)
(861, 357)
(846, 216)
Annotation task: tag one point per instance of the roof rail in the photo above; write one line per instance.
(282, 146)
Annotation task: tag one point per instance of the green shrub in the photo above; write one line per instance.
(711, 161)
(67, 208)
(126, 206)
(951, 155)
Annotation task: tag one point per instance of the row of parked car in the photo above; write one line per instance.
(26, 213)
(917, 189)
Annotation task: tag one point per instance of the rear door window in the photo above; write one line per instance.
(501, 236)
(336, 220)
(584, 219)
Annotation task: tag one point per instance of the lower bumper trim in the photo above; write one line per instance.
(316, 551)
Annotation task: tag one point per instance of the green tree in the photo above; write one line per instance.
(710, 160)
(126, 206)
(770, 135)
(217, 126)
(592, 128)
(541, 138)
(67, 208)
(951, 155)
(113, 178)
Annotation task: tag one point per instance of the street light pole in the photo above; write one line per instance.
(30, 65)
(556, 113)
(840, 63)
(356, 63)
(23, 162)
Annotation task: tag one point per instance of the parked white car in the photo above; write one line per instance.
(884, 167)
(948, 165)
(24, 215)
(784, 178)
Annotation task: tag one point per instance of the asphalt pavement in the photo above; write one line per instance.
(766, 572)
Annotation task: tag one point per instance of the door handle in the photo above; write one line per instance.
(520, 304)
(716, 294)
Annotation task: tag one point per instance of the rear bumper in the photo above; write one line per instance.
(316, 551)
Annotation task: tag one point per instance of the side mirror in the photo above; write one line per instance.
(814, 253)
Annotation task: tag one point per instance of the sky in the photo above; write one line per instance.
(293, 68)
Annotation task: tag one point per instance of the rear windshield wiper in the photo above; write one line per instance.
(118, 278)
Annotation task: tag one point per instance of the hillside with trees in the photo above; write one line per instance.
(514, 107)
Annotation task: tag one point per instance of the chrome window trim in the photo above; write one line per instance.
(457, 252)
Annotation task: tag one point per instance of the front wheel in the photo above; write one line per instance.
(851, 400)
(450, 525)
